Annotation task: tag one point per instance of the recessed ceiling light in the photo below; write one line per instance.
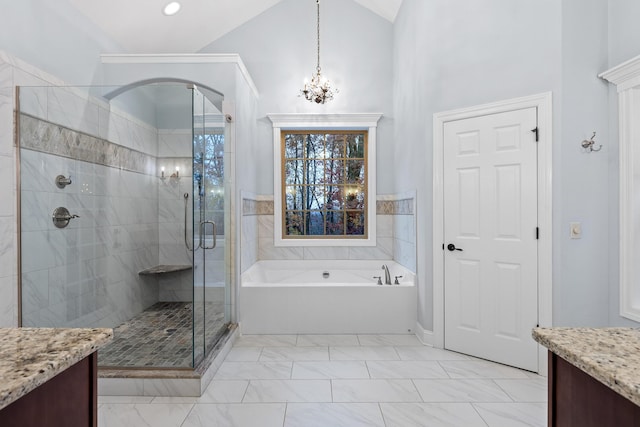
(171, 8)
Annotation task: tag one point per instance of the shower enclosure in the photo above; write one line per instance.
(123, 218)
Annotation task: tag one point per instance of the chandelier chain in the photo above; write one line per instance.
(319, 90)
(318, 28)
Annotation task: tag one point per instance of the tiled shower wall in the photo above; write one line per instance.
(8, 236)
(87, 273)
(395, 235)
(175, 149)
(14, 72)
(96, 124)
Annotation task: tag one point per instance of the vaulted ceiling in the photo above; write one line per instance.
(140, 26)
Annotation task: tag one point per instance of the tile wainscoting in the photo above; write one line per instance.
(395, 234)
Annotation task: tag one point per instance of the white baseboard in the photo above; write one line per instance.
(425, 336)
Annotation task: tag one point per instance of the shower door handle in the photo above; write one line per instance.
(203, 226)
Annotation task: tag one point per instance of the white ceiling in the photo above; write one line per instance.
(139, 26)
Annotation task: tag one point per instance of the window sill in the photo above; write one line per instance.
(324, 242)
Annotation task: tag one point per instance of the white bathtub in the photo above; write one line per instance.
(293, 297)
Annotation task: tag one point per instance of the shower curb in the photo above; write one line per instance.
(166, 382)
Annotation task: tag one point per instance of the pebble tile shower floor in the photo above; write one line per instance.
(162, 336)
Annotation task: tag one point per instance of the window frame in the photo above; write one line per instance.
(325, 122)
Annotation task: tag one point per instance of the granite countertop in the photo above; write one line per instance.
(610, 355)
(31, 356)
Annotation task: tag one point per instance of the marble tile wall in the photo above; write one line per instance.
(53, 138)
(175, 150)
(8, 269)
(395, 235)
(70, 107)
(172, 249)
(252, 207)
(12, 72)
(87, 273)
(171, 216)
(404, 233)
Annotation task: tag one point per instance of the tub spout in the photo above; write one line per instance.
(387, 276)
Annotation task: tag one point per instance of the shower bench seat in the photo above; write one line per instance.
(164, 268)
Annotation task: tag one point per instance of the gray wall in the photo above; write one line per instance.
(279, 49)
(460, 54)
(53, 36)
(624, 33)
(581, 186)
(471, 52)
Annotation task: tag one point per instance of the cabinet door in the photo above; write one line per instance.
(68, 399)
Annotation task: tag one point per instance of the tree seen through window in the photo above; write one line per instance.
(324, 184)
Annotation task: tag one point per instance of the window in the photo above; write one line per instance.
(324, 181)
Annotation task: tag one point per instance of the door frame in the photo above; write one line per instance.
(543, 103)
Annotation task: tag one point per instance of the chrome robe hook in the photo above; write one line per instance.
(588, 144)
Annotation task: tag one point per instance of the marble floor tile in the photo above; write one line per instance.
(513, 414)
(168, 400)
(220, 391)
(525, 390)
(276, 354)
(330, 370)
(266, 341)
(405, 369)
(460, 390)
(374, 391)
(236, 415)
(480, 369)
(142, 415)
(536, 376)
(274, 391)
(428, 353)
(333, 414)
(389, 340)
(327, 340)
(244, 354)
(363, 353)
(344, 380)
(254, 371)
(431, 415)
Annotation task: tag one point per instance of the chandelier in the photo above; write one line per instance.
(319, 90)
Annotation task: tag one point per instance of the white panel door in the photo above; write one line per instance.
(490, 220)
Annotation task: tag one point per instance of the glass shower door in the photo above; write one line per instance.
(210, 286)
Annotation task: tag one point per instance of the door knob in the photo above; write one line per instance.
(452, 247)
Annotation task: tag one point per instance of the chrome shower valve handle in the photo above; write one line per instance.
(61, 217)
